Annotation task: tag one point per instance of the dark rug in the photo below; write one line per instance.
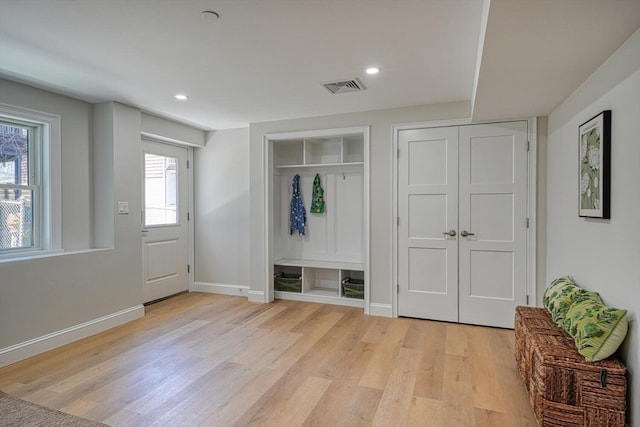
(16, 412)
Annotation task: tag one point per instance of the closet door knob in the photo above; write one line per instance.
(465, 233)
(451, 233)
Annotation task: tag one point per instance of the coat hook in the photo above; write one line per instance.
(343, 177)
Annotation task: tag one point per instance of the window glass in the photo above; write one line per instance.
(160, 190)
(16, 193)
(14, 154)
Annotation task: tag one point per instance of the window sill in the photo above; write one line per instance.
(27, 256)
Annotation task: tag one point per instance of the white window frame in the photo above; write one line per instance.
(45, 170)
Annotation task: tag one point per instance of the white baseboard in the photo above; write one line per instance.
(256, 296)
(35, 346)
(220, 288)
(383, 310)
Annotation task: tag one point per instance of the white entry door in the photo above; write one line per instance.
(165, 220)
(462, 234)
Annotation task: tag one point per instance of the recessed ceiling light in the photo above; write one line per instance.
(373, 70)
(210, 15)
(181, 97)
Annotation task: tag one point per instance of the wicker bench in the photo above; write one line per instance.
(564, 389)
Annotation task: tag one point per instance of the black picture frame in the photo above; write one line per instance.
(594, 167)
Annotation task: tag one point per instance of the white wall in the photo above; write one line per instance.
(165, 130)
(601, 255)
(221, 212)
(48, 301)
(76, 134)
(381, 162)
(46, 295)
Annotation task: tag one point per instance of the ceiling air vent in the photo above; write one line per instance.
(344, 86)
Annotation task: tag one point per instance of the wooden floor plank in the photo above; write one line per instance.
(237, 405)
(216, 360)
(430, 375)
(271, 401)
(457, 343)
(206, 394)
(330, 409)
(362, 408)
(398, 392)
(176, 385)
(518, 409)
(423, 412)
(296, 410)
(322, 324)
(487, 393)
(380, 366)
(457, 389)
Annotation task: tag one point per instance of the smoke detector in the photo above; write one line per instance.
(344, 86)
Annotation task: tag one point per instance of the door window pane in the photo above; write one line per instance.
(160, 190)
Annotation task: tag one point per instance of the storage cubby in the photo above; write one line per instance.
(354, 274)
(352, 149)
(321, 281)
(287, 278)
(287, 269)
(288, 153)
(334, 246)
(352, 284)
(318, 151)
(321, 151)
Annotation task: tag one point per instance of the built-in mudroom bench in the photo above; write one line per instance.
(323, 257)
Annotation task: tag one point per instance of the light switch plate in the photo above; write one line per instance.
(123, 208)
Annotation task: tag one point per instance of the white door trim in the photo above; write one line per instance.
(531, 205)
(532, 209)
(190, 231)
(267, 167)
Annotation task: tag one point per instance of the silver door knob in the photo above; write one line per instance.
(451, 233)
(465, 233)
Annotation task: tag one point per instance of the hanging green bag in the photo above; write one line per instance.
(317, 199)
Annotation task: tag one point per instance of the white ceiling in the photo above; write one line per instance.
(266, 59)
(537, 52)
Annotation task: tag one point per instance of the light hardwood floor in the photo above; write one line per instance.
(214, 360)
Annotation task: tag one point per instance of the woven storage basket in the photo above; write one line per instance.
(564, 389)
(353, 288)
(287, 282)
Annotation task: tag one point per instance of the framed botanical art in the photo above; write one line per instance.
(594, 138)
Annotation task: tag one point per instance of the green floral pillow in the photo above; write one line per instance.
(578, 297)
(561, 294)
(597, 330)
(553, 288)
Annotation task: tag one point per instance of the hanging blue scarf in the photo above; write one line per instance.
(298, 216)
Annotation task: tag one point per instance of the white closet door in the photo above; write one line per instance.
(493, 201)
(428, 208)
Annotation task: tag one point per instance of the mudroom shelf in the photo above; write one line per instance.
(292, 262)
(334, 248)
